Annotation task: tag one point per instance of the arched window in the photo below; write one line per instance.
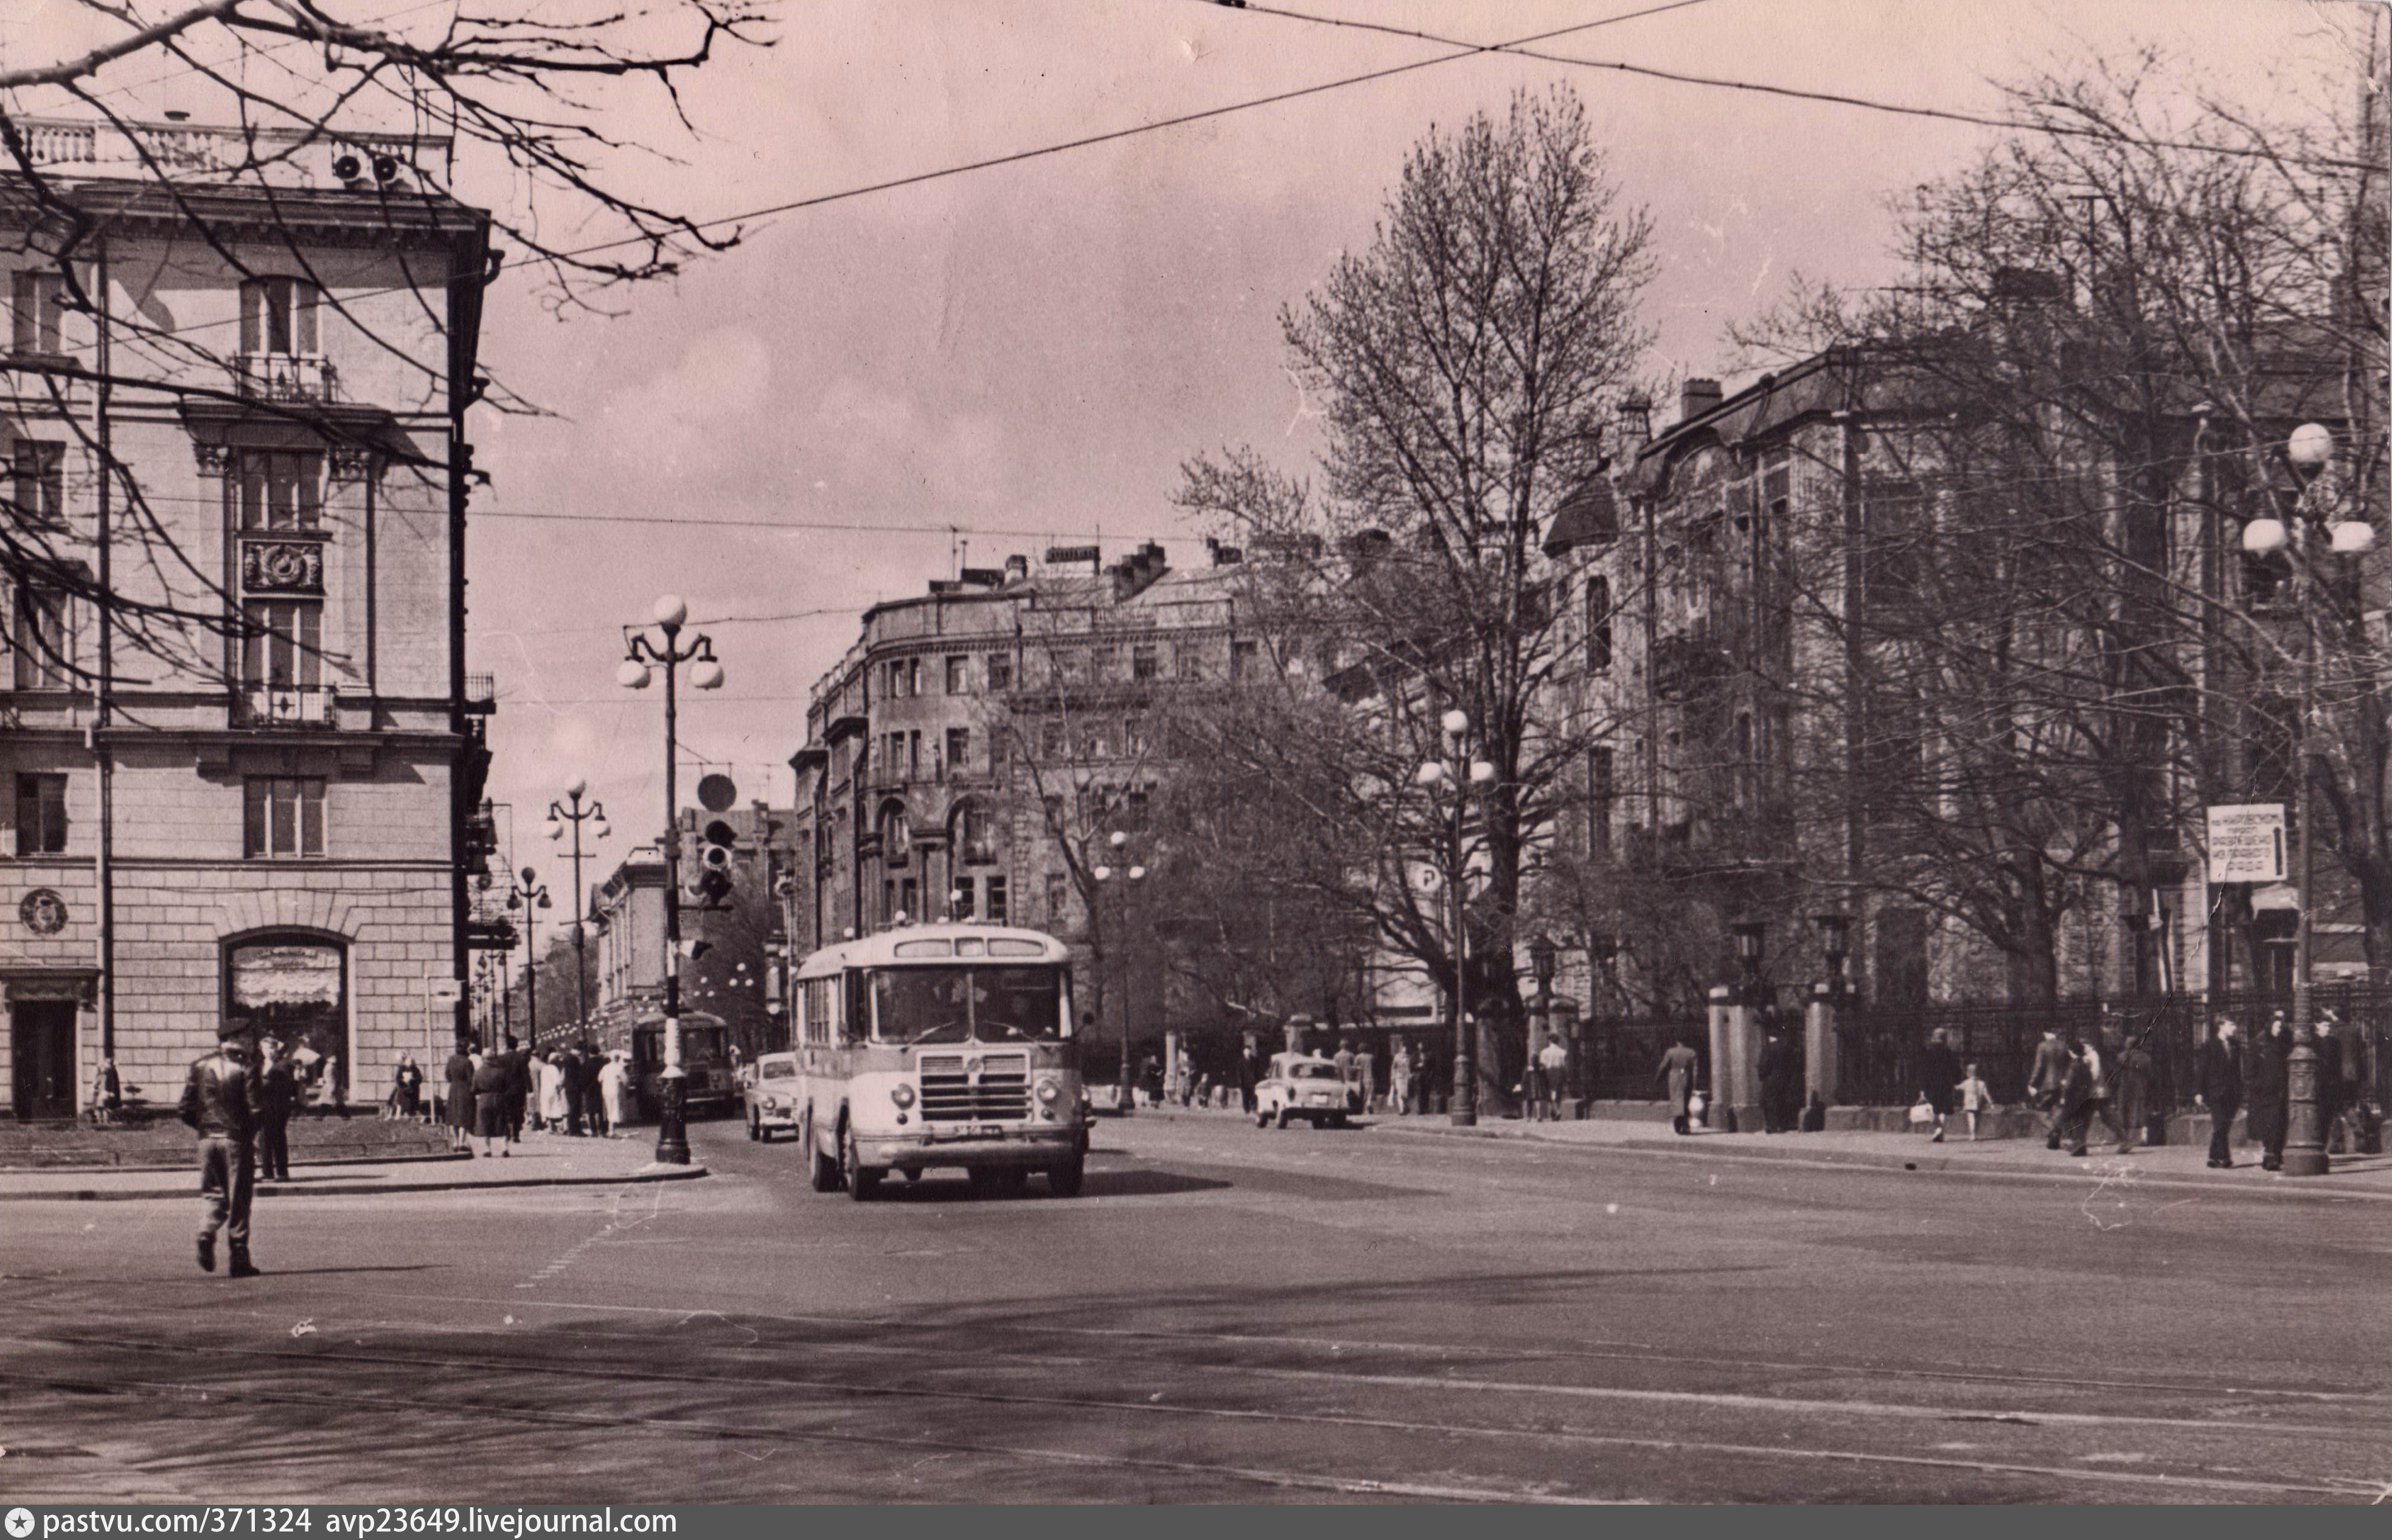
(293, 987)
(896, 834)
(972, 834)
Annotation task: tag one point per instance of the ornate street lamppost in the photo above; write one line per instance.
(527, 894)
(642, 658)
(2310, 450)
(1459, 773)
(561, 815)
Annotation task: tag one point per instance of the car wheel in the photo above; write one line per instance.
(861, 1182)
(824, 1169)
(1337, 1119)
(1064, 1180)
(1262, 1119)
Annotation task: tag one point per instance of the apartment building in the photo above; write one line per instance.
(243, 747)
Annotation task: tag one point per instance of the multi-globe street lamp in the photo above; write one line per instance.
(571, 812)
(1119, 843)
(642, 656)
(2317, 511)
(1457, 773)
(526, 893)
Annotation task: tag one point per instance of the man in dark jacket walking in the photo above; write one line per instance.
(2221, 1089)
(2264, 1082)
(220, 1103)
(2050, 1078)
(278, 1093)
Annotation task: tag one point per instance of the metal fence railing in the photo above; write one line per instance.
(1879, 1045)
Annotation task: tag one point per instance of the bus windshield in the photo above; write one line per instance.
(960, 1004)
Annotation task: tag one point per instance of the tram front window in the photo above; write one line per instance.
(961, 1005)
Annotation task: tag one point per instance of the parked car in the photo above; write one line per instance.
(772, 1094)
(1301, 1085)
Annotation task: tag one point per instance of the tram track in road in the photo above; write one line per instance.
(513, 1371)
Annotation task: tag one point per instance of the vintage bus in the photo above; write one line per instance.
(940, 1045)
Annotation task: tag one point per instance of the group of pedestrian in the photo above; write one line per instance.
(568, 1091)
(573, 1090)
(2257, 1079)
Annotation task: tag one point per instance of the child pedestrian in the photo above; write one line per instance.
(1976, 1097)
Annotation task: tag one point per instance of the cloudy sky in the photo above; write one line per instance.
(1029, 351)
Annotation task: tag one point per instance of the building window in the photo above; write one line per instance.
(1242, 660)
(914, 756)
(1059, 902)
(42, 642)
(278, 316)
(40, 815)
(959, 901)
(1050, 738)
(1598, 622)
(913, 676)
(39, 306)
(958, 676)
(1134, 734)
(998, 903)
(284, 816)
(974, 835)
(282, 644)
(908, 898)
(959, 750)
(1144, 661)
(896, 834)
(38, 483)
(277, 489)
(1599, 794)
(1000, 673)
(1189, 659)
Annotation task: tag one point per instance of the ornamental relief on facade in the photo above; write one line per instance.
(281, 567)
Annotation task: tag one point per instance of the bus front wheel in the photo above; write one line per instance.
(861, 1182)
(1064, 1180)
(822, 1169)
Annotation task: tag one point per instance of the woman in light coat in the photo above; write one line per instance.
(555, 1107)
(615, 1084)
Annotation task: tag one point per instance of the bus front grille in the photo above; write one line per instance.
(959, 1088)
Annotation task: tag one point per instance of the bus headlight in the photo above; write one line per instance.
(902, 1093)
(1048, 1090)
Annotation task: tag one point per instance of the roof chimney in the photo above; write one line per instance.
(1696, 398)
(1017, 569)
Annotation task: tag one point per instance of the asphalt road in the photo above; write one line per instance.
(1226, 1315)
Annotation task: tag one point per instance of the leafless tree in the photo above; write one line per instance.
(1464, 365)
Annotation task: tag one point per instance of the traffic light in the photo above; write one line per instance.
(714, 853)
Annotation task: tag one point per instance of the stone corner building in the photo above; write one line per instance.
(241, 784)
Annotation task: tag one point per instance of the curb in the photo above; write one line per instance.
(2279, 1188)
(355, 1189)
(185, 1164)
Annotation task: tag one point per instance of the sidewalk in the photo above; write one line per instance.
(541, 1161)
(2180, 1165)
(2174, 1165)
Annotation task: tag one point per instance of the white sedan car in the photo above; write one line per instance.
(1301, 1085)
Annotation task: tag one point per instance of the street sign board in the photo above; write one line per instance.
(443, 992)
(2246, 842)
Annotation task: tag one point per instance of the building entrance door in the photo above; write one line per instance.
(41, 1056)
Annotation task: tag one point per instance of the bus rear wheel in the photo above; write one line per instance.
(1064, 1180)
(824, 1169)
(861, 1183)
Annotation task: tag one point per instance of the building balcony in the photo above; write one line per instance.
(285, 377)
(285, 706)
